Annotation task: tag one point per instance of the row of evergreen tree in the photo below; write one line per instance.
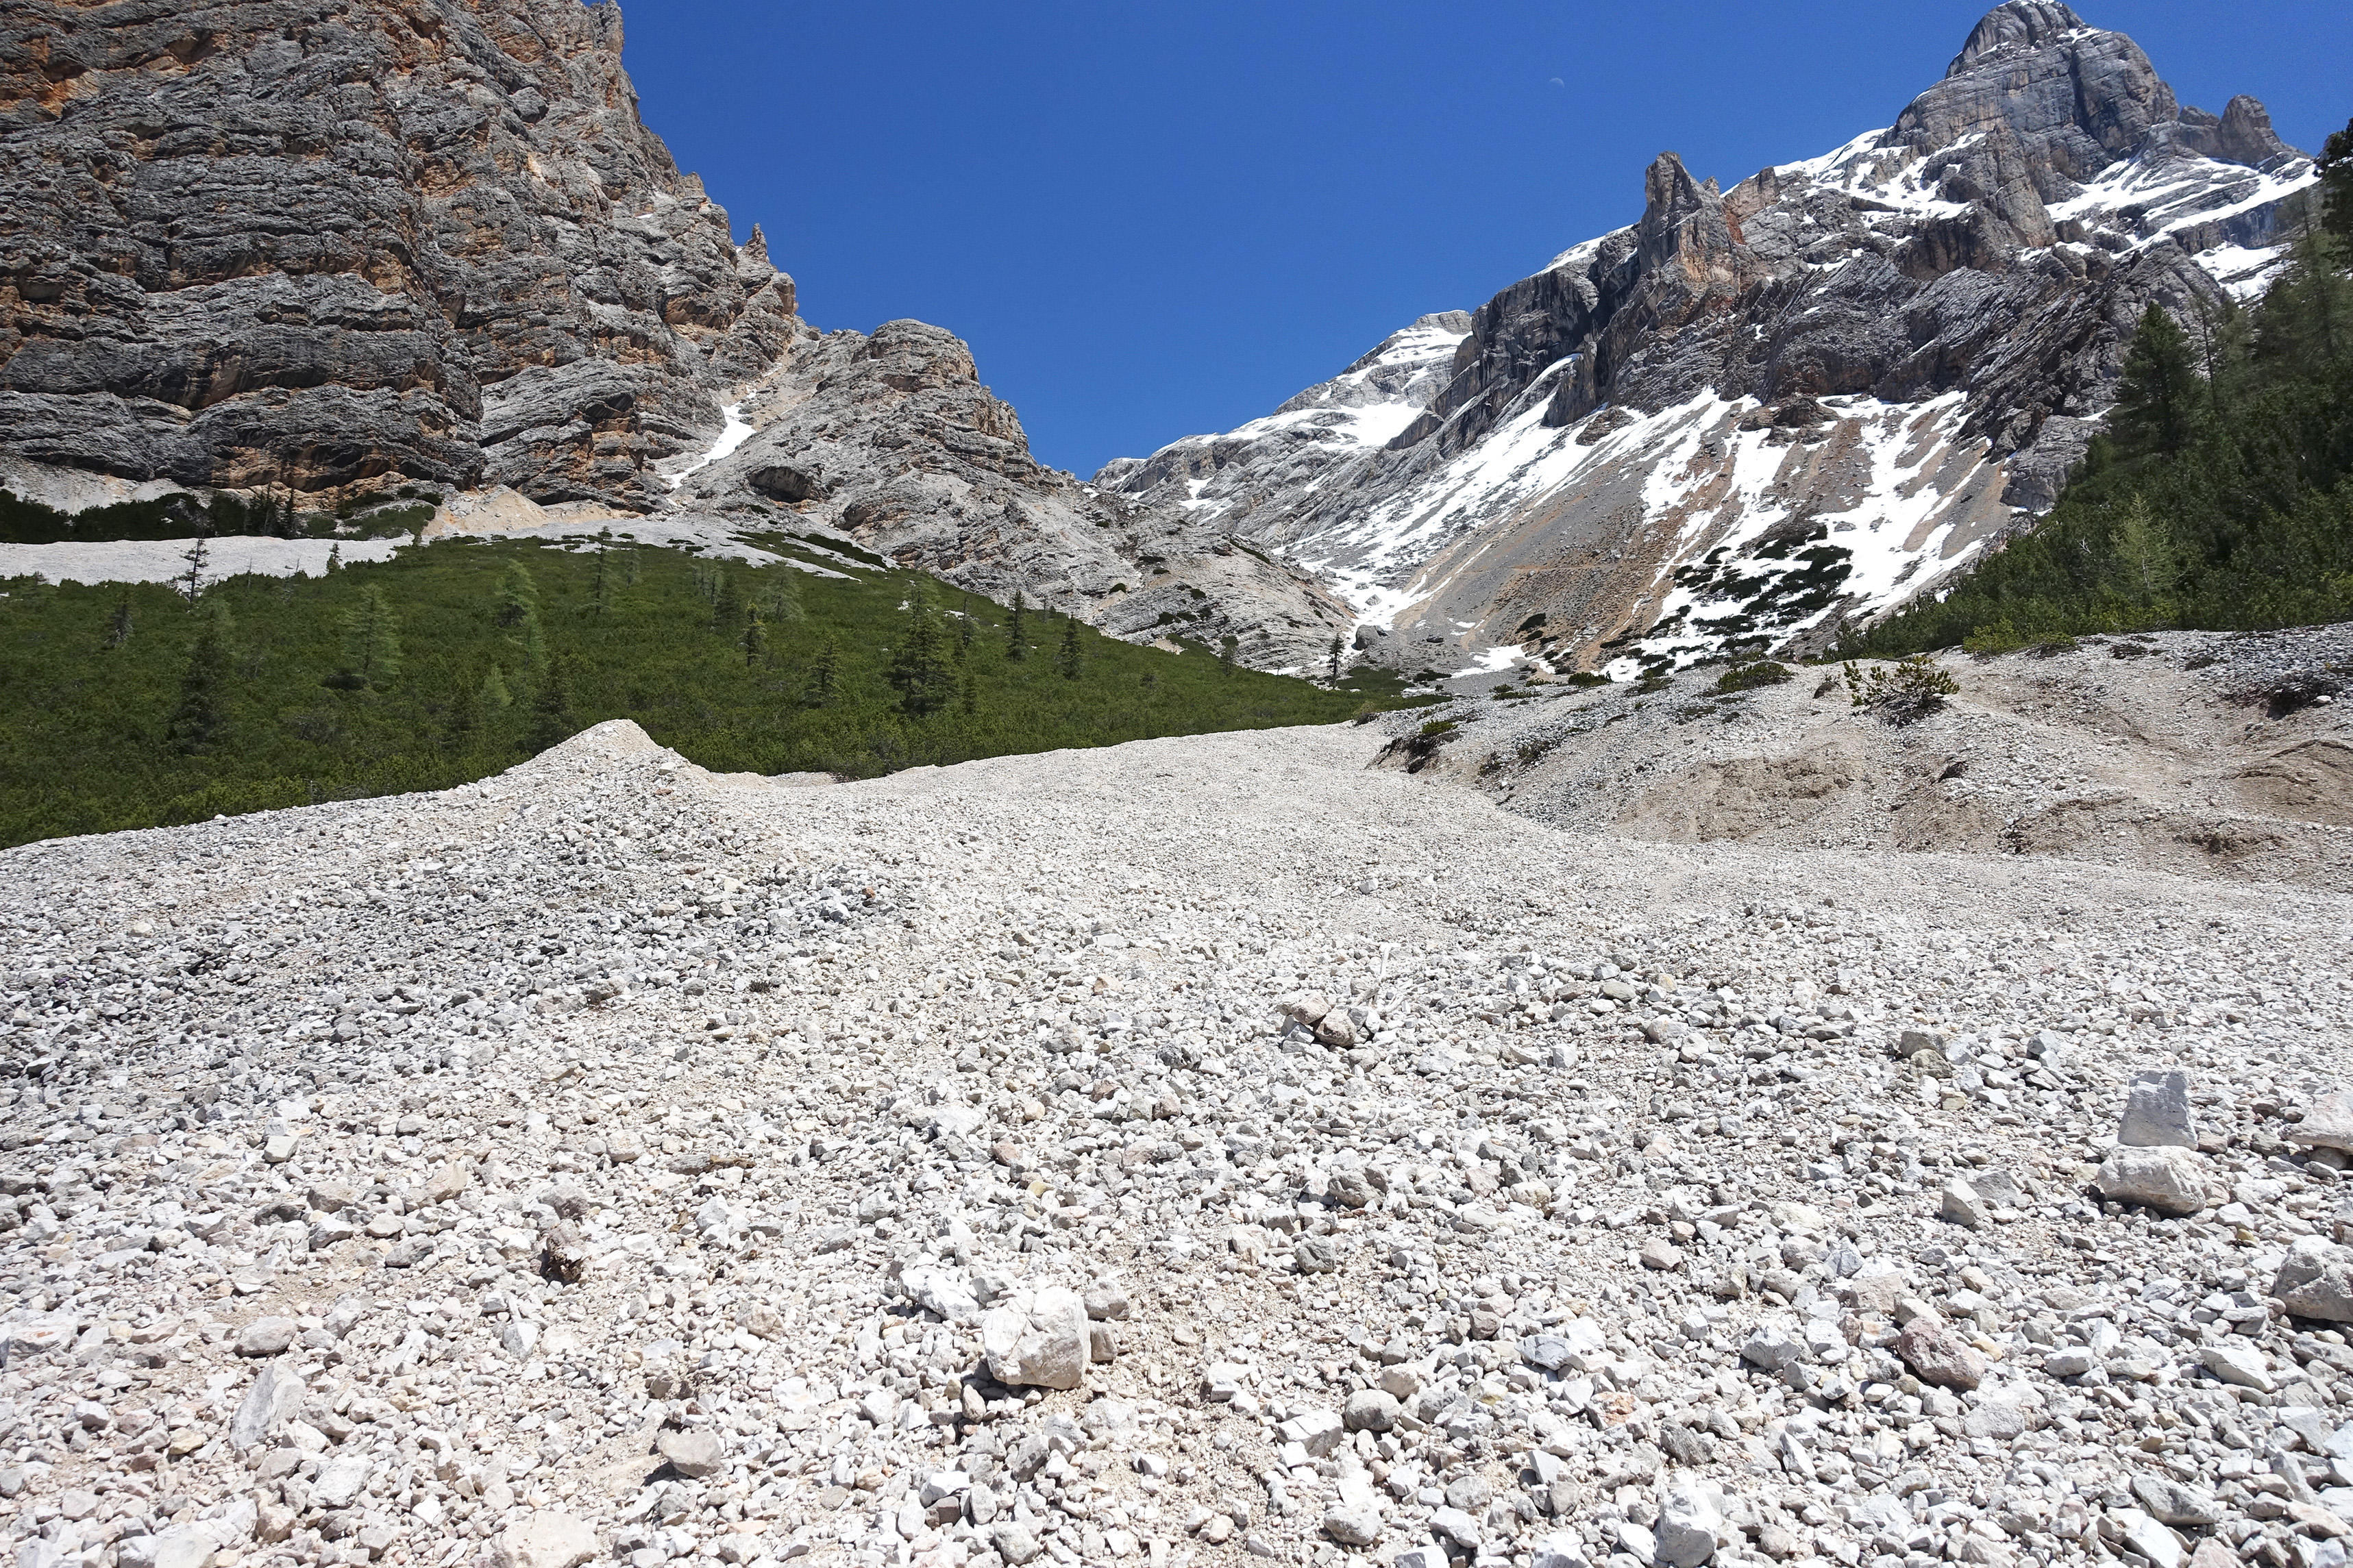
(931, 666)
(2222, 495)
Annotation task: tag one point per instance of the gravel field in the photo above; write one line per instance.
(1187, 1152)
(2199, 753)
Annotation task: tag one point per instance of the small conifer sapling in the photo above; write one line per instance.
(200, 724)
(824, 676)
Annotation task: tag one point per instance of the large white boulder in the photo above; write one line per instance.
(1038, 1341)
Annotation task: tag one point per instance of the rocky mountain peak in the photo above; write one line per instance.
(2054, 99)
(2243, 134)
(2016, 24)
(1751, 414)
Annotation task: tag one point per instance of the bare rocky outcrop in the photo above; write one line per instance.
(305, 243)
(346, 248)
(1756, 411)
(893, 441)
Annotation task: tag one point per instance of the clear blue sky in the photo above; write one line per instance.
(1155, 219)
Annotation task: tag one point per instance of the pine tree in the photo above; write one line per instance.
(465, 708)
(371, 642)
(519, 613)
(1226, 646)
(600, 587)
(334, 557)
(200, 724)
(755, 637)
(2335, 193)
(496, 698)
(824, 676)
(1066, 660)
(533, 643)
(2158, 397)
(919, 671)
(964, 630)
(780, 601)
(1332, 672)
(198, 557)
(2146, 564)
(552, 721)
(118, 624)
(518, 597)
(2224, 340)
(2305, 325)
(968, 694)
(1014, 649)
(726, 603)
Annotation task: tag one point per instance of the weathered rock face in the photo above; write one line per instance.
(328, 244)
(893, 440)
(1756, 411)
(315, 243)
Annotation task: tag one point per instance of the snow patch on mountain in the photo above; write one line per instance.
(1782, 569)
(1762, 411)
(733, 433)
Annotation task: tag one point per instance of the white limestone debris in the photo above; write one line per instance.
(950, 1172)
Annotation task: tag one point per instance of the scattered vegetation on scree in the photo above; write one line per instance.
(2222, 497)
(1902, 692)
(130, 707)
(1749, 677)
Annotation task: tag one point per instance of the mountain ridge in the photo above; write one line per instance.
(1635, 449)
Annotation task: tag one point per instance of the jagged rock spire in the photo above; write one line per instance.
(1683, 222)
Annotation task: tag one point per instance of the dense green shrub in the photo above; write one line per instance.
(1902, 692)
(455, 659)
(1749, 677)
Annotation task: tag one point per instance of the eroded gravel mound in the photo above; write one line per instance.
(2197, 753)
(1196, 1149)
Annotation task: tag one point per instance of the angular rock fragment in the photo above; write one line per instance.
(2172, 1181)
(2316, 1281)
(544, 1540)
(2156, 1112)
(1038, 1341)
(1938, 1356)
(2327, 1123)
(693, 1454)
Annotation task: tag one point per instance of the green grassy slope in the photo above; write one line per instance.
(97, 733)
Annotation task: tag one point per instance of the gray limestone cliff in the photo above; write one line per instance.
(346, 247)
(317, 243)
